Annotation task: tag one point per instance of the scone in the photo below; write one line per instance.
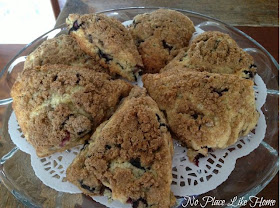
(59, 106)
(215, 52)
(107, 40)
(159, 36)
(61, 50)
(204, 110)
(129, 156)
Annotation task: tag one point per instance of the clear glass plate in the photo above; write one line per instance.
(251, 174)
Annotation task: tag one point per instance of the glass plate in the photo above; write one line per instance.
(251, 174)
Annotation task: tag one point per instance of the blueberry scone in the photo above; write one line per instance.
(159, 36)
(107, 40)
(129, 156)
(215, 52)
(204, 110)
(59, 106)
(61, 50)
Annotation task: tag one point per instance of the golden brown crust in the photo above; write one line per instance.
(62, 50)
(108, 41)
(58, 106)
(130, 155)
(159, 36)
(204, 110)
(215, 52)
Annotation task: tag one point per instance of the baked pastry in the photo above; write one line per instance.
(129, 156)
(61, 50)
(204, 110)
(107, 40)
(59, 106)
(159, 36)
(215, 52)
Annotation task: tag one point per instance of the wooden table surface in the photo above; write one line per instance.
(266, 36)
(236, 13)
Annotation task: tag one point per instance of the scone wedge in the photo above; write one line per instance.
(159, 36)
(215, 52)
(129, 156)
(59, 106)
(204, 110)
(107, 40)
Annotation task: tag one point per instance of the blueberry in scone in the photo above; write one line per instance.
(62, 50)
(59, 106)
(107, 40)
(204, 110)
(215, 52)
(129, 156)
(159, 36)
